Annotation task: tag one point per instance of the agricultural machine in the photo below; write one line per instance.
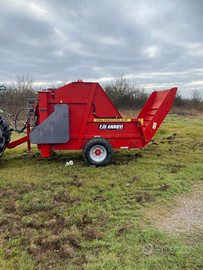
(5, 131)
(80, 115)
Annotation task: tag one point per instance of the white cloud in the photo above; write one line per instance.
(154, 43)
(152, 51)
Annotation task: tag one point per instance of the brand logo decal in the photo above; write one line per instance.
(111, 127)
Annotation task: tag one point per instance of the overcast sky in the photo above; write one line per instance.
(157, 44)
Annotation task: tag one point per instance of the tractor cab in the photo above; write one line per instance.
(2, 87)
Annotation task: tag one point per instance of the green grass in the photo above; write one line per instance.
(79, 217)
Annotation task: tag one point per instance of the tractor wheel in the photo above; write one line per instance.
(2, 143)
(5, 135)
(97, 151)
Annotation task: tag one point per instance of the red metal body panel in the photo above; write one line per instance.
(92, 114)
(155, 110)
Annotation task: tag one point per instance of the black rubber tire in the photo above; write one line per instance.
(5, 135)
(101, 145)
(2, 142)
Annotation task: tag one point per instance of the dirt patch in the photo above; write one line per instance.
(136, 178)
(14, 217)
(97, 250)
(2, 241)
(66, 252)
(11, 206)
(124, 160)
(174, 168)
(73, 240)
(76, 200)
(34, 223)
(102, 220)
(53, 239)
(184, 216)
(76, 183)
(92, 234)
(100, 198)
(62, 197)
(124, 229)
(146, 197)
(163, 187)
(28, 232)
(7, 253)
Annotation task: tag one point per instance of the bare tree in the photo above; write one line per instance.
(125, 94)
(196, 98)
(24, 82)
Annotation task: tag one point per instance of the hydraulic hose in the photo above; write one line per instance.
(30, 113)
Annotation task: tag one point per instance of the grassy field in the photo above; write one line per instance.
(80, 217)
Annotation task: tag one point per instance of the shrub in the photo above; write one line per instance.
(16, 95)
(125, 95)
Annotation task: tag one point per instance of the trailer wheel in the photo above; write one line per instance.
(97, 151)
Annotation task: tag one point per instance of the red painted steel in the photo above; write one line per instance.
(17, 142)
(28, 142)
(92, 114)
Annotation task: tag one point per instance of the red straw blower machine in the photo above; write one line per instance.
(80, 115)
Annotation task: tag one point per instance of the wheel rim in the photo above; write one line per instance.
(98, 153)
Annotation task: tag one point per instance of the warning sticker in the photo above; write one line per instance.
(154, 125)
(111, 127)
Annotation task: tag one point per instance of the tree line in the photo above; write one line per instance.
(123, 94)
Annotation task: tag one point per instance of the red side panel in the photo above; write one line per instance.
(85, 100)
(81, 93)
(155, 110)
(103, 105)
